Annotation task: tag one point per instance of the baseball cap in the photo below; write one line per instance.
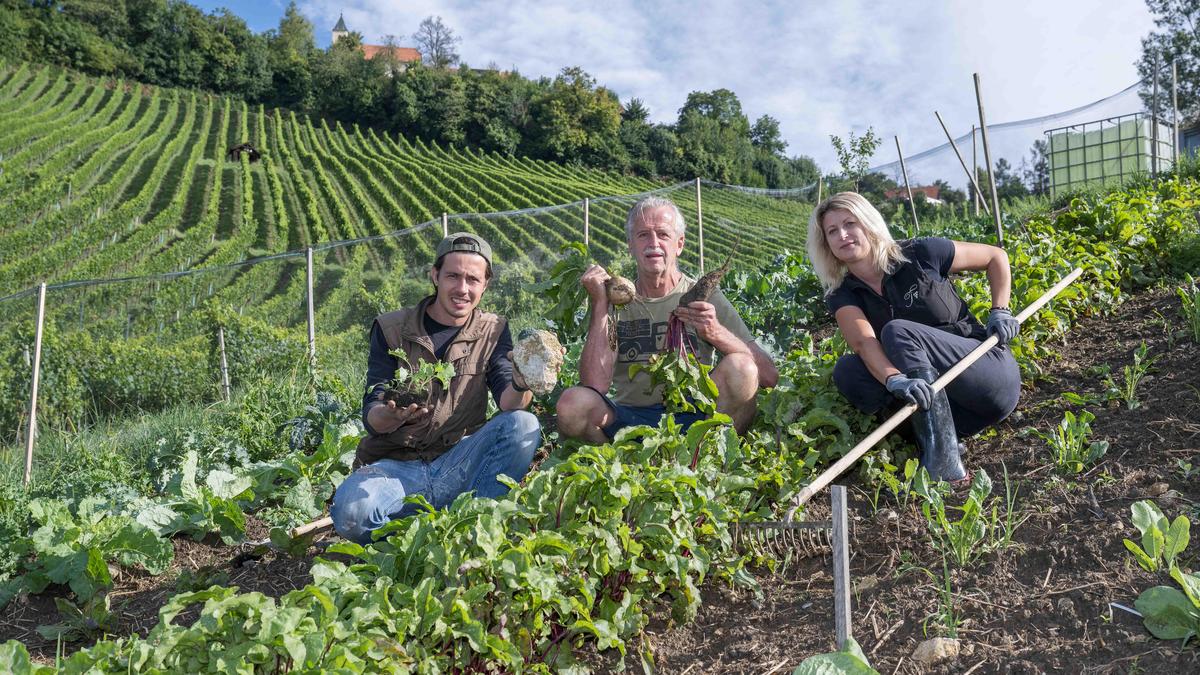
(464, 242)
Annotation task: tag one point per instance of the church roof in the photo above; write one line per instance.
(341, 25)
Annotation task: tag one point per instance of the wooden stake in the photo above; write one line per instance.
(312, 322)
(963, 164)
(224, 363)
(445, 225)
(700, 225)
(1154, 125)
(987, 157)
(820, 188)
(975, 170)
(841, 565)
(586, 221)
(31, 437)
(912, 206)
(1175, 117)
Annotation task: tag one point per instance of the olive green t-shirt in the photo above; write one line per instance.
(642, 331)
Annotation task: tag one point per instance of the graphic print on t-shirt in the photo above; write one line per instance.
(637, 339)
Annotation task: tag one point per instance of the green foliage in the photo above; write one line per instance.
(854, 154)
(685, 382)
(777, 300)
(1161, 542)
(1070, 445)
(421, 379)
(849, 660)
(88, 620)
(964, 539)
(565, 295)
(1170, 614)
(1127, 390)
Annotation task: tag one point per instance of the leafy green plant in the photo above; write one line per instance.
(1134, 373)
(86, 620)
(563, 290)
(899, 484)
(1162, 542)
(1070, 445)
(1188, 469)
(198, 508)
(963, 539)
(1189, 297)
(74, 549)
(849, 660)
(686, 384)
(1172, 613)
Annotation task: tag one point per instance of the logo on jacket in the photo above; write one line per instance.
(911, 295)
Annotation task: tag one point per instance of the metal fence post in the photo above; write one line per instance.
(587, 221)
(700, 224)
(224, 362)
(841, 565)
(987, 157)
(312, 322)
(33, 389)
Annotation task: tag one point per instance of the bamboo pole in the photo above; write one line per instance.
(445, 225)
(587, 221)
(912, 206)
(975, 170)
(961, 162)
(841, 565)
(33, 388)
(839, 467)
(312, 321)
(987, 157)
(224, 363)
(700, 224)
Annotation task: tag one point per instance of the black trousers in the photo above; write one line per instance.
(981, 396)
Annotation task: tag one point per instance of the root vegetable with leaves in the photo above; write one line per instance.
(413, 389)
(565, 289)
(691, 305)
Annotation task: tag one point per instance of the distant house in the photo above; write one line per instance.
(932, 193)
(402, 56)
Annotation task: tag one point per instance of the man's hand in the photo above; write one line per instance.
(518, 380)
(393, 417)
(702, 317)
(593, 282)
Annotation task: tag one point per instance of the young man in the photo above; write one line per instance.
(655, 235)
(446, 447)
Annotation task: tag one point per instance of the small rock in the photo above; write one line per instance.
(886, 516)
(539, 356)
(936, 650)
(866, 583)
(1157, 489)
(1065, 607)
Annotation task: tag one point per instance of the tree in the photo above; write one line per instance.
(436, 42)
(1036, 169)
(1176, 38)
(766, 136)
(948, 194)
(854, 154)
(574, 119)
(1008, 182)
(290, 48)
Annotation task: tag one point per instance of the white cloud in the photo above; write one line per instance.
(820, 68)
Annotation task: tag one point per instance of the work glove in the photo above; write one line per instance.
(911, 389)
(1003, 325)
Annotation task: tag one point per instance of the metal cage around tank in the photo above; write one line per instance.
(1109, 150)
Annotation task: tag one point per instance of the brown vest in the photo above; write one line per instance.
(457, 410)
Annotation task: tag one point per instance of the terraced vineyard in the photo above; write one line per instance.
(105, 179)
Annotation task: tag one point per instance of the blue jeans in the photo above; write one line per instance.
(650, 415)
(375, 493)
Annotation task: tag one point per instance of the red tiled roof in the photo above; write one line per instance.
(931, 191)
(402, 54)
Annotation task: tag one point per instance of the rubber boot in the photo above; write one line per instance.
(936, 436)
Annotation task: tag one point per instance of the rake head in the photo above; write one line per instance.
(783, 539)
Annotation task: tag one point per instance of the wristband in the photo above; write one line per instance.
(995, 308)
(516, 388)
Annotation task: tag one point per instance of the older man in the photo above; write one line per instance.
(655, 234)
(446, 447)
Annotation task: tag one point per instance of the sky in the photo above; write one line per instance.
(820, 68)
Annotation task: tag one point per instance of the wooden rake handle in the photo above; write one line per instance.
(894, 421)
(301, 530)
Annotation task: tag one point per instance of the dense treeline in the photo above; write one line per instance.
(569, 118)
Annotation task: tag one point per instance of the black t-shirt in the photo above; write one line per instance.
(918, 290)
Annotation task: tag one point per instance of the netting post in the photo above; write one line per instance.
(975, 170)
(224, 362)
(312, 322)
(841, 565)
(912, 206)
(1175, 117)
(962, 163)
(700, 224)
(987, 157)
(820, 188)
(1153, 126)
(587, 221)
(445, 225)
(33, 389)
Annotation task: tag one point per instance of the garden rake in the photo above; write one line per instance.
(806, 539)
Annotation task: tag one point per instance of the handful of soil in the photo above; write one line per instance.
(404, 399)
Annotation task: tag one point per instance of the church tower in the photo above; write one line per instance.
(339, 30)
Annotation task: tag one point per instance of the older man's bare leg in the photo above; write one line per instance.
(583, 414)
(736, 377)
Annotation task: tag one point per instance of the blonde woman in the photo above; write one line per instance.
(899, 312)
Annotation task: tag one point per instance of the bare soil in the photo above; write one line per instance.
(1040, 605)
